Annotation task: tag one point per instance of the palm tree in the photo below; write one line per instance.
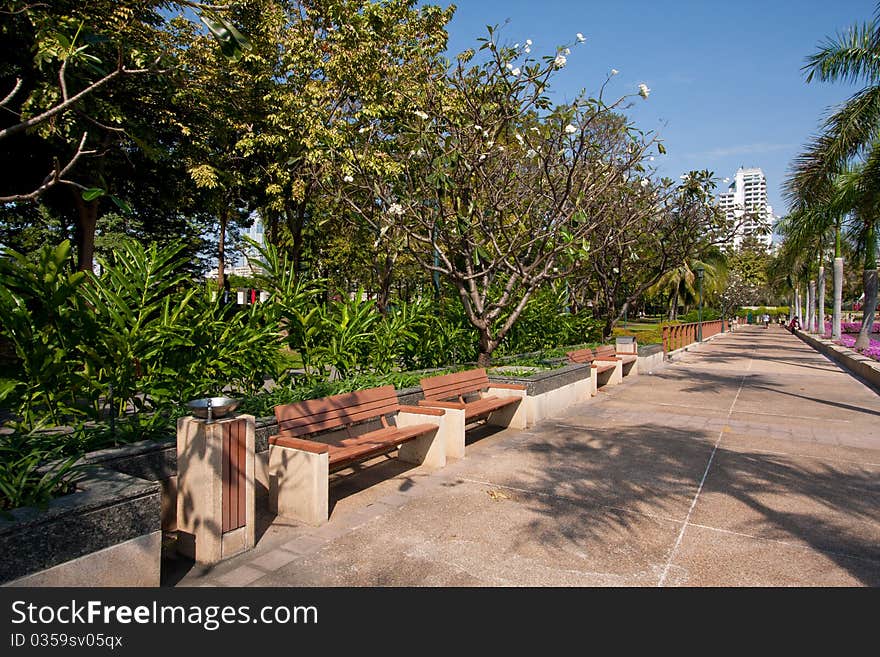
(849, 142)
(681, 283)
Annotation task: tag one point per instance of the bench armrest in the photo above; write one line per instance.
(311, 446)
(506, 386)
(606, 358)
(422, 410)
(442, 404)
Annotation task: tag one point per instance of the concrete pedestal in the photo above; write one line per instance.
(216, 509)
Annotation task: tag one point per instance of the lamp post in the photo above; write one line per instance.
(699, 271)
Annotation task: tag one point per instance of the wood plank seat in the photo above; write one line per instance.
(345, 429)
(584, 356)
(469, 396)
(605, 361)
(465, 390)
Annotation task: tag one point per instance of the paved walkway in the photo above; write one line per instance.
(751, 461)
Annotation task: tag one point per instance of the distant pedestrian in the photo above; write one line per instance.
(766, 319)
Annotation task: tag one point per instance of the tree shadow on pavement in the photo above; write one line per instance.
(596, 490)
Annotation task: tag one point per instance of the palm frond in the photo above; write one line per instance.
(849, 57)
(848, 132)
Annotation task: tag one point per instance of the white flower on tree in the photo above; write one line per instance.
(614, 71)
(515, 72)
(348, 179)
(570, 129)
(395, 209)
(531, 153)
(560, 61)
(422, 115)
(643, 90)
(580, 37)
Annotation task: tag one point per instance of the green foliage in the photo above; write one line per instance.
(136, 337)
(709, 315)
(44, 320)
(545, 323)
(32, 472)
(773, 311)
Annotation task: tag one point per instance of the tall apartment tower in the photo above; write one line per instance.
(748, 193)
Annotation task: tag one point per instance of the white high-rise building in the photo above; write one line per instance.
(745, 202)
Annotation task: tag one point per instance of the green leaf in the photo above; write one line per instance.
(121, 204)
(232, 42)
(92, 193)
(661, 148)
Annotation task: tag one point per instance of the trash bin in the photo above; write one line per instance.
(626, 344)
(215, 487)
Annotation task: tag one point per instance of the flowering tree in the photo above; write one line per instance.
(490, 185)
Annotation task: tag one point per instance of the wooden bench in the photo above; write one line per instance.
(469, 396)
(605, 361)
(346, 429)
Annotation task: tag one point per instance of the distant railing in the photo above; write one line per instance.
(676, 336)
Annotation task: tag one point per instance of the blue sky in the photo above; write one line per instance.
(726, 84)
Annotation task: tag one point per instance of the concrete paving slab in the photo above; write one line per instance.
(830, 507)
(708, 557)
(804, 447)
(493, 536)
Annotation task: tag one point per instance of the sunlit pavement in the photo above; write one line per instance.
(750, 461)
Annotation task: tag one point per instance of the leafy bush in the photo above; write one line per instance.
(545, 323)
(48, 326)
(709, 315)
(32, 473)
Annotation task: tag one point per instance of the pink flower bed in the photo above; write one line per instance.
(849, 333)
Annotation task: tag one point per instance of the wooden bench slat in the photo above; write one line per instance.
(372, 444)
(487, 405)
(445, 386)
(313, 415)
(581, 356)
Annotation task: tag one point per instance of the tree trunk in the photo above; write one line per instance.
(821, 301)
(487, 346)
(221, 249)
(811, 307)
(870, 278)
(864, 339)
(838, 298)
(84, 232)
(295, 225)
(386, 279)
(673, 306)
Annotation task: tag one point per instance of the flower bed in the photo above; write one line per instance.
(849, 333)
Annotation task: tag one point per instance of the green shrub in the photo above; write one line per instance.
(546, 323)
(32, 472)
(709, 315)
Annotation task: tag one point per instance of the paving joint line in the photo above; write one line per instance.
(665, 572)
(800, 546)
